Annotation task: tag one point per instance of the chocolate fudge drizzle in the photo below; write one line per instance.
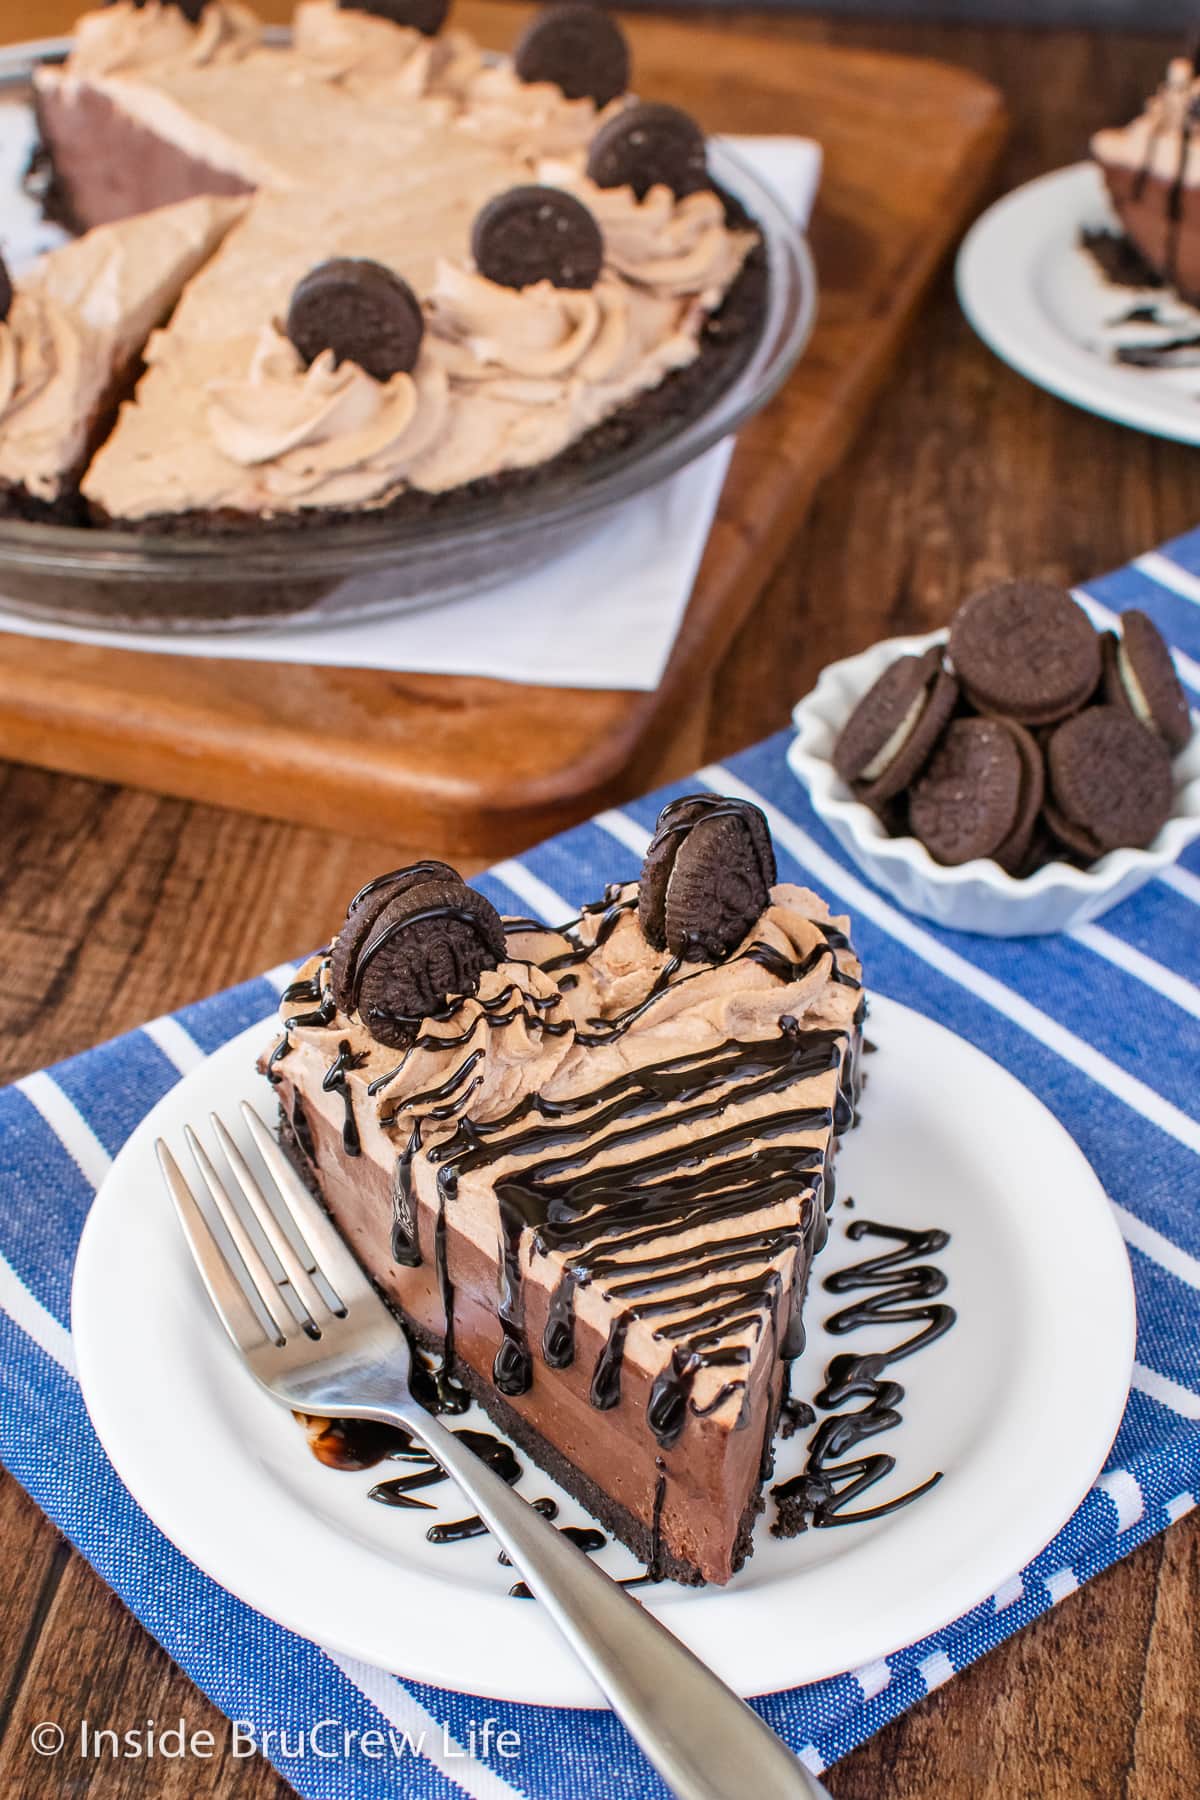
(897, 1289)
(362, 1444)
(581, 1214)
(312, 991)
(609, 1221)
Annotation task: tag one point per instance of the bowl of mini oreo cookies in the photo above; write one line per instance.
(1016, 775)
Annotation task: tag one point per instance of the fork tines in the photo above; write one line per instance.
(284, 1269)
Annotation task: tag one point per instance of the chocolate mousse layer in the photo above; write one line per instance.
(684, 1513)
(107, 166)
(594, 1181)
(1161, 218)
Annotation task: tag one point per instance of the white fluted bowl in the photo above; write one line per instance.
(976, 896)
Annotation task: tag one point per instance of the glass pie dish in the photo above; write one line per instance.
(270, 575)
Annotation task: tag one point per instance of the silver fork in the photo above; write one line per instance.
(326, 1344)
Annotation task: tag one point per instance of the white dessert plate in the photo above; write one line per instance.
(1042, 304)
(1016, 1405)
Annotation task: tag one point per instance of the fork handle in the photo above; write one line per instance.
(705, 1742)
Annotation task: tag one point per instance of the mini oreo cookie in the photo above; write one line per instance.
(361, 915)
(1024, 649)
(1081, 847)
(966, 802)
(6, 291)
(1139, 674)
(887, 739)
(537, 234)
(425, 16)
(707, 876)
(647, 145)
(362, 311)
(579, 48)
(1110, 780)
(191, 9)
(1013, 853)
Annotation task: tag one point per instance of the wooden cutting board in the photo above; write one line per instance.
(479, 767)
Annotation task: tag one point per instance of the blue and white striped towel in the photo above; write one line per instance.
(1103, 1024)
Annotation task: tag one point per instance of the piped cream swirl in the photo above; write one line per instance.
(125, 38)
(530, 118)
(371, 56)
(541, 332)
(329, 427)
(629, 1006)
(505, 380)
(676, 246)
(43, 356)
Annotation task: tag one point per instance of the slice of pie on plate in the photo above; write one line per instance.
(590, 1168)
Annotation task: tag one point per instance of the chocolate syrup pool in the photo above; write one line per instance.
(899, 1284)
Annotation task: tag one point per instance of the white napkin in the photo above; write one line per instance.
(603, 614)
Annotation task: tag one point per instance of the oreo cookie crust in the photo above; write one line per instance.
(1024, 649)
(1139, 675)
(966, 803)
(1110, 780)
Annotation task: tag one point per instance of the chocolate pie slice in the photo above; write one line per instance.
(1151, 168)
(72, 328)
(590, 1168)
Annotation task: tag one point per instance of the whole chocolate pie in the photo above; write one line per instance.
(430, 295)
(590, 1167)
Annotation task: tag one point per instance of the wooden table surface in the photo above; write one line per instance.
(115, 906)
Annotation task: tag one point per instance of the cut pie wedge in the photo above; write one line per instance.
(593, 1183)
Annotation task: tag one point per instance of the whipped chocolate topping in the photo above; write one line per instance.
(77, 319)
(329, 429)
(652, 1139)
(48, 387)
(527, 117)
(676, 246)
(504, 380)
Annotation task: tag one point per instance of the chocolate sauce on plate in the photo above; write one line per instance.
(896, 1289)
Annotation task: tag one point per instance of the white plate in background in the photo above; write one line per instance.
(1041, 303)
